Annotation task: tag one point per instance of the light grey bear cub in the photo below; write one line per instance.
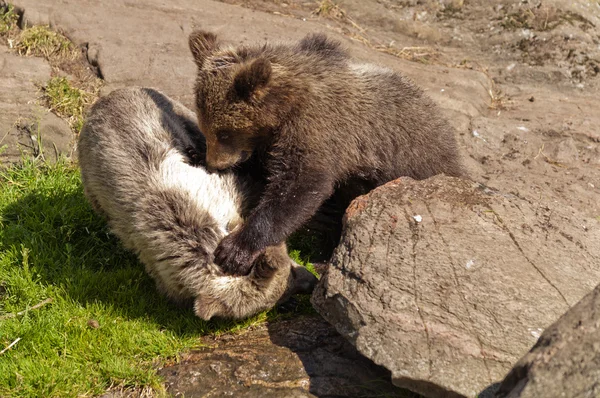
(134, 152)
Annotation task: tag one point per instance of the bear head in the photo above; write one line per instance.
(242, 97)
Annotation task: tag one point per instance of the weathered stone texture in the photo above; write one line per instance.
(448, 283)
(302, 357)
(565, 362)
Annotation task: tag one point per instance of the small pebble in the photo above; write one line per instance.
(93, 324)
(418, 218)
(536, 332)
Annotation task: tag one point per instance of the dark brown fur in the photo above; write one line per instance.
(314, 121)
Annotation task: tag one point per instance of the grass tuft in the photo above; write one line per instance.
(41, 41)
(67, 98)
(67, 101)
(106, 326)
(8, 19)
(330, 9)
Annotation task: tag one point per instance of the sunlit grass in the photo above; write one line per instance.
(53, 246)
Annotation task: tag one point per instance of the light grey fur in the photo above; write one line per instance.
(135, 170)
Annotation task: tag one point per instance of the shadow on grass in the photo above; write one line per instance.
(68, 246)
(49, 229)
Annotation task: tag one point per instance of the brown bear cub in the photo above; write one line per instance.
(313, 121)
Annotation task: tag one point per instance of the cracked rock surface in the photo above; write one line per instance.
(448, 283)
(565, 362)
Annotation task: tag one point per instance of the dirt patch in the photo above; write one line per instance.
(555, 36)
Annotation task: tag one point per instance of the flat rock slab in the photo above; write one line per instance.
(565, 362)
(303, 357)
(23, 123)
(448, 283)
(145, 43)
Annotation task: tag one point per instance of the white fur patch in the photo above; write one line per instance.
(212, 193)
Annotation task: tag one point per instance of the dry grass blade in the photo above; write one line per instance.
(498, 100)
(424, 55)
(10, 345)
(547, 159)
(35, 307)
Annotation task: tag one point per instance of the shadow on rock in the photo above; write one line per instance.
(301, 357)
(333, 366)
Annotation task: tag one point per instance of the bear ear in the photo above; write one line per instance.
(205, 307)
(252, 77)
(201, 45)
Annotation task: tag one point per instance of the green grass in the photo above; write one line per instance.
(53, 246)
(41, 41)
(67, 101)
(68, 98)
(8, 19)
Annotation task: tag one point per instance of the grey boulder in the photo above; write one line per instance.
(447, 283)
(565, 362)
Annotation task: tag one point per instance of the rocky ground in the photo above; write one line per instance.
(304, 357)
(518, 79)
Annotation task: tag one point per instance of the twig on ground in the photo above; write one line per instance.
(547, 159)
(35, 307)
(10, 345)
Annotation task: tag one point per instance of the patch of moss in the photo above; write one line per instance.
(67, 100)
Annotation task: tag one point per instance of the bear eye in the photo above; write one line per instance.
(223, 136)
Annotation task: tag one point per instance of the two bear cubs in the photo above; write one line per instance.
(302, 123)
(134, 154)
(309, 122)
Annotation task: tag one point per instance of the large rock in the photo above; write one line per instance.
(303, 357)
(565, 362)
(448, 283)
(23, 123)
